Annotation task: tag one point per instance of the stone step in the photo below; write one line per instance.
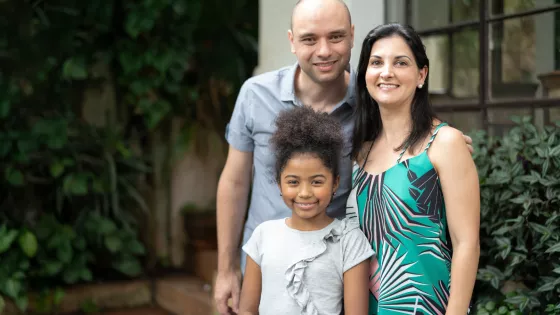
(184, 295)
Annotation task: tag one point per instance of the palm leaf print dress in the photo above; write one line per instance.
(402, 213)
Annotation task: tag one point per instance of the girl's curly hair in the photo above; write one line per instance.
(302, 130)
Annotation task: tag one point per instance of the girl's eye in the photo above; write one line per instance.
(317, 182)
(292, 182)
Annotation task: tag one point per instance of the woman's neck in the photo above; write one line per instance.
(397, 124)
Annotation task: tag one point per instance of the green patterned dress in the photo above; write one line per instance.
(402, 213)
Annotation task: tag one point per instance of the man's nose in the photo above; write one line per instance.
(324, 49)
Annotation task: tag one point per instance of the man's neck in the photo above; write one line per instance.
(321, 97)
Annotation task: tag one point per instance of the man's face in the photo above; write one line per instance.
(322, 38)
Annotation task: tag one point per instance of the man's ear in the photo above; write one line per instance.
(291, 38)
(352, 35)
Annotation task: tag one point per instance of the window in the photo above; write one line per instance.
(489, 59)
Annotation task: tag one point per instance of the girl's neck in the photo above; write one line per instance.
(309, 224)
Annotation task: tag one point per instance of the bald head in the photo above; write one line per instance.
(313, 5)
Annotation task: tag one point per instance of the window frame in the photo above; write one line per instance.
(483, 24)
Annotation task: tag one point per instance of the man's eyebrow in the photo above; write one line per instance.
(337, 32)
(306, 35)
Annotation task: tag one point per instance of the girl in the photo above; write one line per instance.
(416, 189)
(307, 263)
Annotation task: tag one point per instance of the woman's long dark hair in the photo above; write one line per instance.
(368, 123)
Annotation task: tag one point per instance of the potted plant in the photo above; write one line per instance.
(200, 227)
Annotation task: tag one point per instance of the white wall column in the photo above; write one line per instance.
(366, 14)
(274, 46)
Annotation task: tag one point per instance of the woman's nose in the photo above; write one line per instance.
(387, 72)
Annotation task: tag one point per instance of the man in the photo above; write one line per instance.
(321, 37)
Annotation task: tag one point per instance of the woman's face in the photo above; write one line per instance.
(392, 76)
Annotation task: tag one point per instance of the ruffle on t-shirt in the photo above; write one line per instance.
(294, 275)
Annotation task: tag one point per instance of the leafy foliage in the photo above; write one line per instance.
(520, 207)
(70, 206)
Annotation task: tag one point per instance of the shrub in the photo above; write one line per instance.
(520, 197)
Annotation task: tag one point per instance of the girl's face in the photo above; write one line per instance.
(392, 75)
(307, 186)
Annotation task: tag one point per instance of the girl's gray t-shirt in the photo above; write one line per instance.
(302, 271)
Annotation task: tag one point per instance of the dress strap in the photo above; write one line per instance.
(402, 153)
(438, 127)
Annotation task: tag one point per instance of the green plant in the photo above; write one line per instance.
(496, 307)
(70, 202)
(520, 198)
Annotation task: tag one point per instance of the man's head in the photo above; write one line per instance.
(322, 36)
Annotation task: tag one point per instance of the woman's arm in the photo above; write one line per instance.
(460, 185)
(251, 289)
(356, 291)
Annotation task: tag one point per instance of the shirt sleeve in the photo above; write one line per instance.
(356, 249)
(253, 247)
(239, 129)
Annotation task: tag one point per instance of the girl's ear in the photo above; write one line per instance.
(336, 182)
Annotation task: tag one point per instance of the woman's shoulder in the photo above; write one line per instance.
(448, 144)
(447, 136)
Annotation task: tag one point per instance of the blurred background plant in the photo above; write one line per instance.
(98, 98)
(519, 173)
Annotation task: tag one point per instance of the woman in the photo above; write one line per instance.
(415, 190)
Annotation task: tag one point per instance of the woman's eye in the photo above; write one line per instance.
(376, 63)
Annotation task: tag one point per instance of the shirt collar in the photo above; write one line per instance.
(287, 91)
